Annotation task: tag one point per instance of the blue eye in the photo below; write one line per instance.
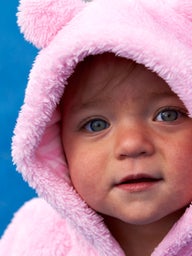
(168, 115)
(96, 125)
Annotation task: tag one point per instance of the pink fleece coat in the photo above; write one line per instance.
(155, 33)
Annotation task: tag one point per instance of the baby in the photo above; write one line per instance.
(104, 134)
(126, 138)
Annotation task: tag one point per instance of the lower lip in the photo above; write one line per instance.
(137, 187)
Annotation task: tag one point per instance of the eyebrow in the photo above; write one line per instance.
(88, 105)
(170, 94)
(99, 102)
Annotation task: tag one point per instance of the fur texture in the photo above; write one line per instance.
(156, 33)
(41, 20)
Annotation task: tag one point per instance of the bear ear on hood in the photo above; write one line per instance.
(40, 20)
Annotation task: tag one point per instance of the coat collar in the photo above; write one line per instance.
(179, 239)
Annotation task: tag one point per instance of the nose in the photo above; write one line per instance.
(133, 141)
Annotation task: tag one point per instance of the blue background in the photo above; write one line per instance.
(16, 58)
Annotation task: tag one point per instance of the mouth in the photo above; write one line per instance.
(138, 183)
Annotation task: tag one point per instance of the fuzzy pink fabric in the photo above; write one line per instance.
(156, 33)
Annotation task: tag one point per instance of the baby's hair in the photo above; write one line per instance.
(90, 63)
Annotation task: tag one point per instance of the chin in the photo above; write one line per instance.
(140, 220)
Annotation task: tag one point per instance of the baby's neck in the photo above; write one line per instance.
(137, 240)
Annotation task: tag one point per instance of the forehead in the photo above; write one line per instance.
(98, 69)
(106, 77)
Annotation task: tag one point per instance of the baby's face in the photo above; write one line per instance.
(127, 139)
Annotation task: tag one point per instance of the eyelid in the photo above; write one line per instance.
(87, 120)
(183, 111)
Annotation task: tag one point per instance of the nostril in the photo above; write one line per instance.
(134, 154)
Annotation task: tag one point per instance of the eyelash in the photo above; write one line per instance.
(87, 125)
(180, 112)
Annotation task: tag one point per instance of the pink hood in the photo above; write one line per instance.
(156, 33)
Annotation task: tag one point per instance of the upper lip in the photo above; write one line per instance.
(136, 178)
